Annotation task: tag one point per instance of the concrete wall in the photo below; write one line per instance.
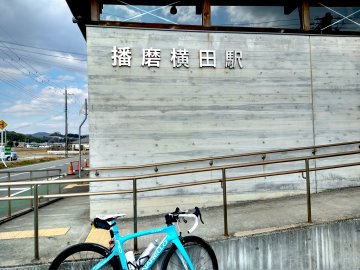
(333, 246)
(328, 246)
(336, 102)
(293, 91)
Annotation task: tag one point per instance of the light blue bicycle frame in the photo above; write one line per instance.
(170, 238)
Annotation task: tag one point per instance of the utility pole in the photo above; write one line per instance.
(66, 124)
(86, 114)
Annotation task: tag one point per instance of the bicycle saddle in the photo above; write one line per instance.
(103, 222)
(110, 217)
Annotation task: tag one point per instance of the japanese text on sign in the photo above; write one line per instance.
(178, 57)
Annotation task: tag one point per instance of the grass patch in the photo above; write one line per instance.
(13, 164)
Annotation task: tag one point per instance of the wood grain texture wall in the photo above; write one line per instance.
(289, 89)
(336, 91)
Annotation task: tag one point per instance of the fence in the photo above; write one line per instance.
(306, 169)
(10, 210)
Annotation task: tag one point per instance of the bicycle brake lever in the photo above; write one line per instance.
(201, 219)
(198, 214)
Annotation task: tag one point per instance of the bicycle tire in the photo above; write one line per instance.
(200, 252)
(83, 256)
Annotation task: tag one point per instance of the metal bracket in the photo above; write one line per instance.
(263, 157)
(156, 169)
(302, 175)
(314, 151)
(211, 162)
(97, 173)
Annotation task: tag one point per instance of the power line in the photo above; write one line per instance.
(32, 75)
(39, 48)
(50, 55)
(35, 73)
(59, 65)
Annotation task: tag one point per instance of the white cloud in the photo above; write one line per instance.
(58, 118)
(126, 12)
(64, 78)
(50, 100)
(187, 15)
(9, 73)
(258, 16)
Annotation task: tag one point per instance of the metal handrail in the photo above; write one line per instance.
(223, 181)
(28, 171)
(197, 183)
(49, 173)
(186, 171)
(314, 148)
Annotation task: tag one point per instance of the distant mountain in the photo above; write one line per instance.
(41, 135)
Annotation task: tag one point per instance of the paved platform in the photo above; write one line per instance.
(244, 219)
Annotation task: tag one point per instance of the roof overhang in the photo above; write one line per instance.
(88, 11)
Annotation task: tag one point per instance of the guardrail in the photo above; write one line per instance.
(13, 211)
(223, 181)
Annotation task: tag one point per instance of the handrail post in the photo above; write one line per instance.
(47, 185)
(135, 212)
(59, 184)
(31, 191)
(308, 195)
(36, 222)
(226, 230)
(9, 195)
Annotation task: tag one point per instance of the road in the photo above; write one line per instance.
(22, 173)
(19, 173)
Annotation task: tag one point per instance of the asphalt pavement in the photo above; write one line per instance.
(66, 222)
(22, 173)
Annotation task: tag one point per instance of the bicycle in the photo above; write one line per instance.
(189, 252)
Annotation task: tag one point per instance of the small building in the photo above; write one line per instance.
(84, 144)
(168, 91)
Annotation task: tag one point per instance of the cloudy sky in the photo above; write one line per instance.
(42, 52)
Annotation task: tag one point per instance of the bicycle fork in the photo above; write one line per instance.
(183, 256)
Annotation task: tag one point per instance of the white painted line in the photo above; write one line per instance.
(26, 189)
(16, 193)
(5, 189)
(3, 177)
(16, 174)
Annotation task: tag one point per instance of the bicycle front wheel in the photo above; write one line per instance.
(200, 252)
(83, 256)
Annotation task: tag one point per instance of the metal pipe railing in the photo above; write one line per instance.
(226, 227)
(28, 171)
(308, 191)
(187, 171)
(211, 159)
(48, 173)
(197, 183)
(36, 183)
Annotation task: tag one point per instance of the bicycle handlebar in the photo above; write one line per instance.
(177, 214)
(194, 217)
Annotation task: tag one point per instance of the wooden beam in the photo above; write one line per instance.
(95, 10)
(206, 13)
(305, 15)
